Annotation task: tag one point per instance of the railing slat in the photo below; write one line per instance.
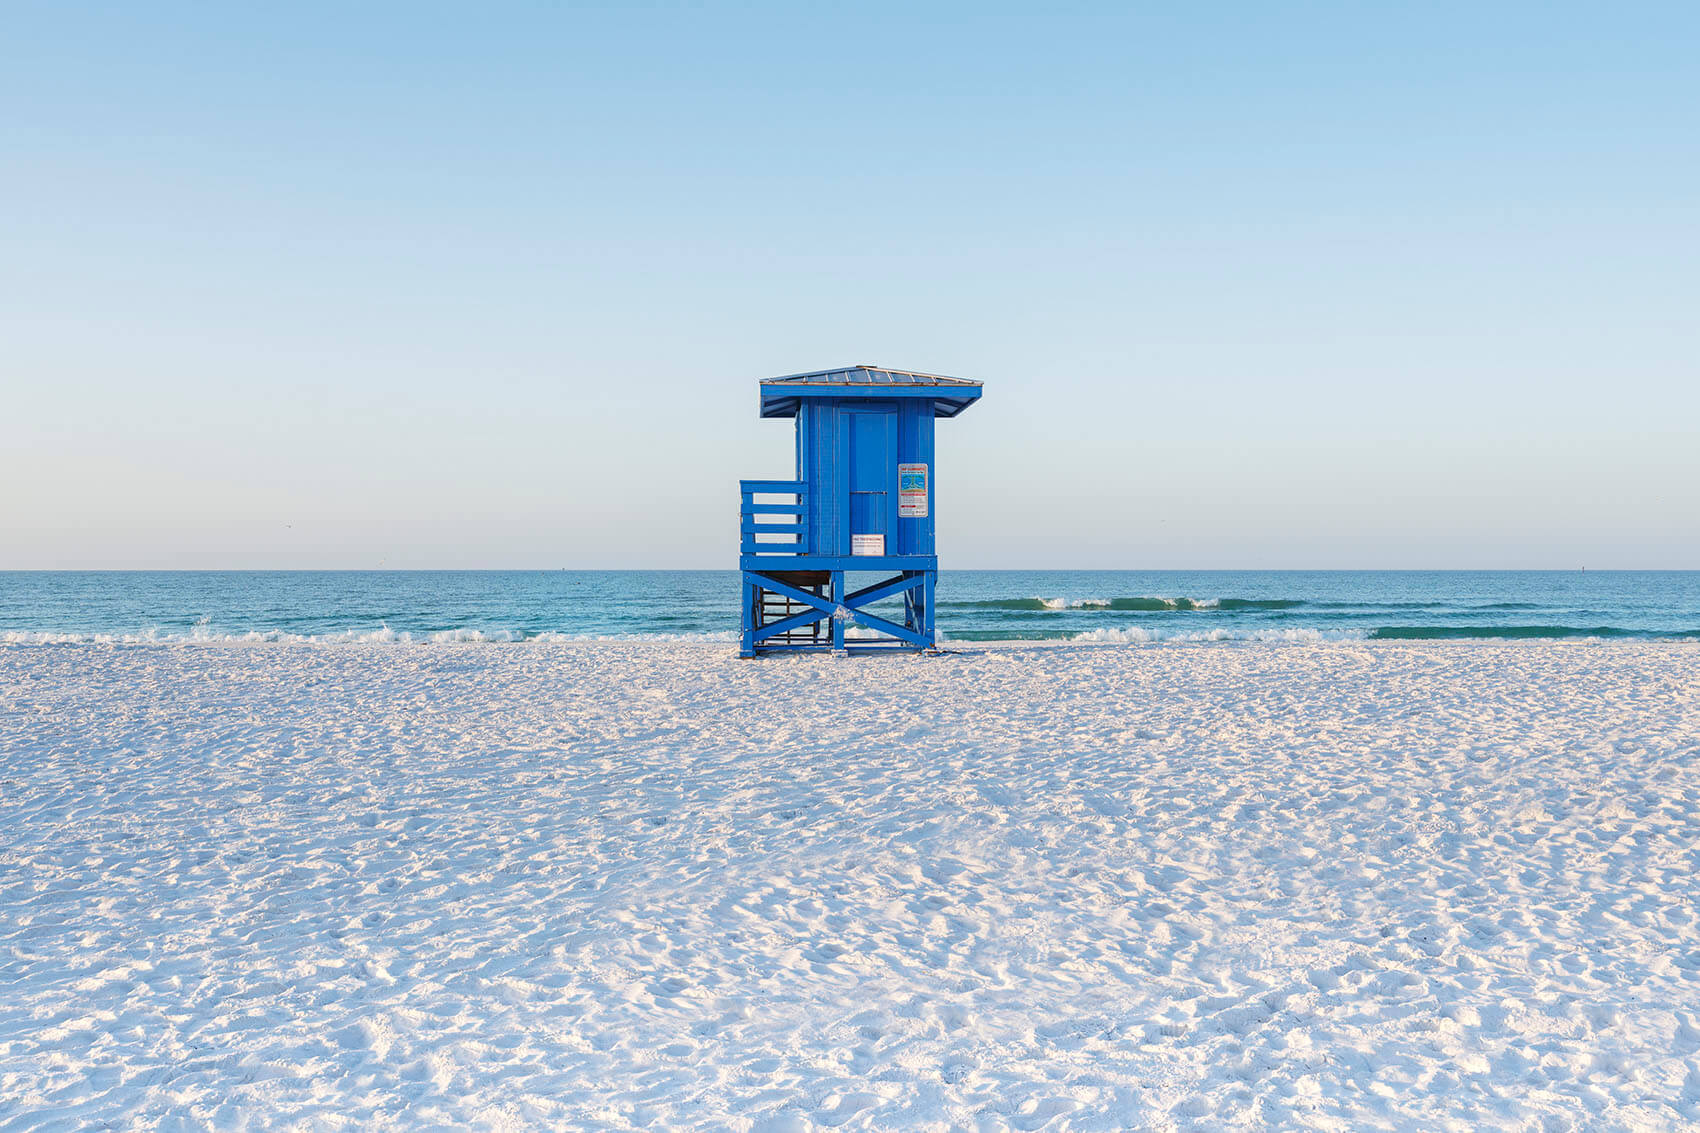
(789, 535)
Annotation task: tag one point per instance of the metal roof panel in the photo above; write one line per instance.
(865, 374)
(780, 397)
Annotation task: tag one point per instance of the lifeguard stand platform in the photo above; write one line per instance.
(862, 502)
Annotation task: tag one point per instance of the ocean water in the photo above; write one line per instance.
(1100, 606)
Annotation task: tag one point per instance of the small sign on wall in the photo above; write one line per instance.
(867, 544)
(912, 491)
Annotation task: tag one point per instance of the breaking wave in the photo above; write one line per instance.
(1142, 603)
(1131, 635)
(1142, 635)
(1552, 632)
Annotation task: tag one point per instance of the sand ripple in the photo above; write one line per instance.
(635, 886)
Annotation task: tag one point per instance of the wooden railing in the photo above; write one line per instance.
(774, 529)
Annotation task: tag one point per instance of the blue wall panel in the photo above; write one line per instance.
(848, 451)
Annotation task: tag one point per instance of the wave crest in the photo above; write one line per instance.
(1142, 635)
(1148, 603)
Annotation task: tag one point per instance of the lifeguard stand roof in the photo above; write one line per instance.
(950, 396)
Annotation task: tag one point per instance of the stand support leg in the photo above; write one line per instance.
(929, 629)
(747, 620)
(837, 623)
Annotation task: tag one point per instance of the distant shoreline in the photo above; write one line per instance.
(948, 647)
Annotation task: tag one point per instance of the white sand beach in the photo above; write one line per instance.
(605, 886)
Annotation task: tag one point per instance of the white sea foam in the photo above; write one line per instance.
(1145, 635)
(550, 637)
(1172, 603)
(387, 636)
(201, 634)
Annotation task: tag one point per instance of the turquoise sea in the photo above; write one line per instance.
(1109, 606)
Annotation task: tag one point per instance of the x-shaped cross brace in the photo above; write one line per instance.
(820, 607)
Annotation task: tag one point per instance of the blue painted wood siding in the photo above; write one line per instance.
(848, 450)
(871, 441)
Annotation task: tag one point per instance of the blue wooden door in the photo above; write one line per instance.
(873, 470)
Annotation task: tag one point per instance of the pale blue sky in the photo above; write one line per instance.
(421, 285)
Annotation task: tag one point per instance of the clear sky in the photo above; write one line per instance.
(425, 285)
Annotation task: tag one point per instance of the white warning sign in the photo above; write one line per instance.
(912, 491)
(867, 544)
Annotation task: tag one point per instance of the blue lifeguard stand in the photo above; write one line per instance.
(862, 502)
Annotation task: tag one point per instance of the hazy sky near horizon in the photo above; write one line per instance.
(425, 285)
